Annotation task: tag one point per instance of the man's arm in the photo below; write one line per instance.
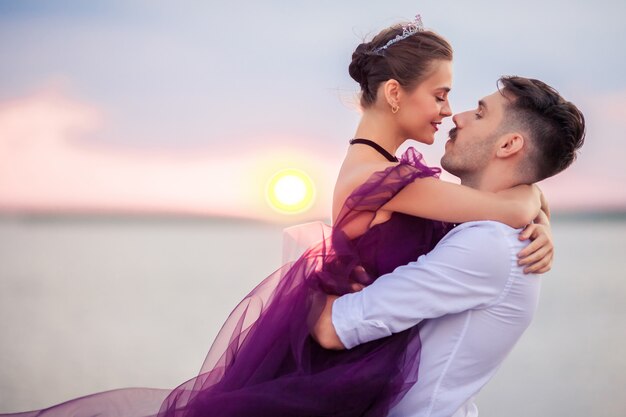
(324, 331)
(468, 269)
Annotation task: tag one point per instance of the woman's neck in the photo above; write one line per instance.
(380, 129)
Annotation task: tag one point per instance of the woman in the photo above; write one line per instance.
(264, 362)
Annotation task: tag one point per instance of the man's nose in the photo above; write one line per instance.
(455, 120)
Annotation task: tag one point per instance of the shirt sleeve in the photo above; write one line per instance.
(469, 269)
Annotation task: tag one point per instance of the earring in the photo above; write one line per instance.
(395, 108)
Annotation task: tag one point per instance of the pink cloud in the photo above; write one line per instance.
(44, 168)
(578, 191)
(47, 164)
(597, 178)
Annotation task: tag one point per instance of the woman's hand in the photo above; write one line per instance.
(528, 198)
(539, 253)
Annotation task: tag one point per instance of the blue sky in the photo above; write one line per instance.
(260, 78)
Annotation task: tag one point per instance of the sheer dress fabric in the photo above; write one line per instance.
(264, 362)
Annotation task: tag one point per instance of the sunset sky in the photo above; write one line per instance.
(190, 107)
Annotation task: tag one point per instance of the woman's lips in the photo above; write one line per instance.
(435, 126)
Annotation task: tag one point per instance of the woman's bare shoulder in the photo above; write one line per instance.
(352, 176)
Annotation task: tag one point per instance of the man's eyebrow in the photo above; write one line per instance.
(481, 103)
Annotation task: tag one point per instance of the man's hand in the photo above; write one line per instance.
(324, 331)
(358, 277)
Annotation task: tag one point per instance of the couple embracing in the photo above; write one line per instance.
(423, 287)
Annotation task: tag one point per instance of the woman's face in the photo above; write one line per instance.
(423, 108)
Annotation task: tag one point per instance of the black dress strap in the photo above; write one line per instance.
(376, 146)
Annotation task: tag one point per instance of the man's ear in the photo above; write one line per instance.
(510, 145)
(392, 92)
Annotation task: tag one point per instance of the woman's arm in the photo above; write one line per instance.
(435, 199)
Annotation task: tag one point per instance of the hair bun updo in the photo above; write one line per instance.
(407, 61)
(363, 61)
(357, 68)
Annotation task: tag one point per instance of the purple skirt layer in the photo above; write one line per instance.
(265, 363)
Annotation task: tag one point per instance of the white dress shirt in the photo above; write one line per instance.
(477, 300)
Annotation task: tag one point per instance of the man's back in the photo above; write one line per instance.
(477, 303)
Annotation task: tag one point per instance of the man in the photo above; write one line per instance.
(469, 294)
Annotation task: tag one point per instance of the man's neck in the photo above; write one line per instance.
(492, 180)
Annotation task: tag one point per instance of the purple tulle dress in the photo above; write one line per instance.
(264, 362)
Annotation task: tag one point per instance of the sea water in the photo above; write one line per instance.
(89, 304)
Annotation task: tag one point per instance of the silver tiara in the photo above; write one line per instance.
(407, 30)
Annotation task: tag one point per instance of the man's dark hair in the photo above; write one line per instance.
(555, 126)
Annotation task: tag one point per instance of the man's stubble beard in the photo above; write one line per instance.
(469, 161)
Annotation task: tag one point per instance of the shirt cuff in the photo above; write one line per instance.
(351, 326)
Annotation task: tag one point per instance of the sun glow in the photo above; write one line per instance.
(290, 191)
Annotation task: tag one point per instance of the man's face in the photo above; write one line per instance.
(472, 144)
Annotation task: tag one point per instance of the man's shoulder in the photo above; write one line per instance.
(488, 250)
(488, 240)
(487, 231)
(485, 225)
